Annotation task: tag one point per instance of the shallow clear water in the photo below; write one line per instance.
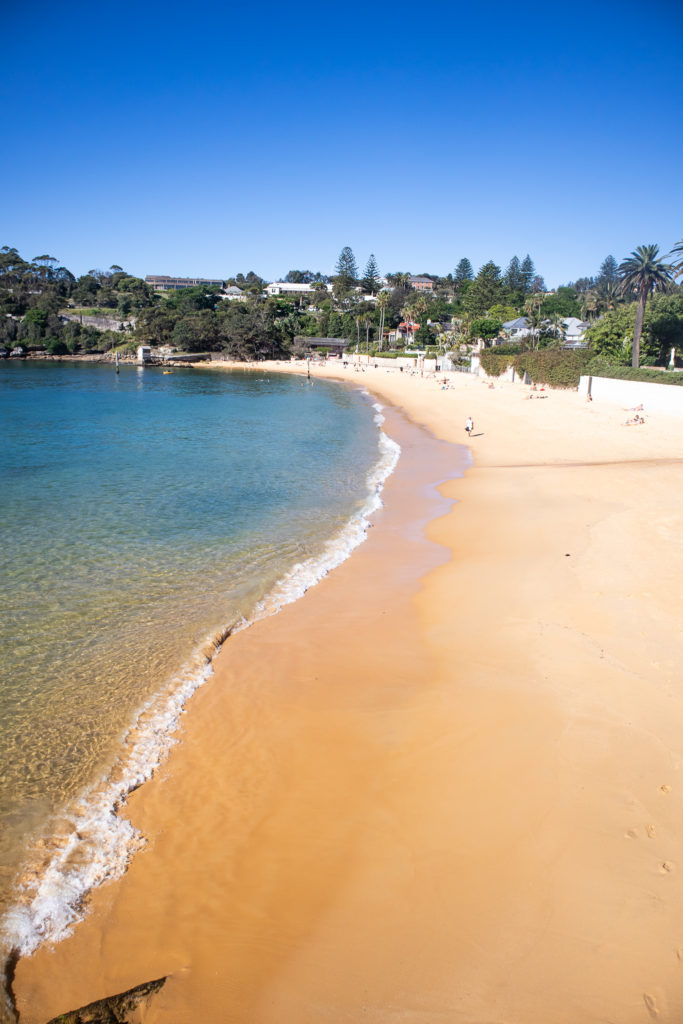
(141, 514)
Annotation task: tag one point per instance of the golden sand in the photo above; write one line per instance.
(447, 785)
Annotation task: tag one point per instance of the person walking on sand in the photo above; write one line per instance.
(469, 426)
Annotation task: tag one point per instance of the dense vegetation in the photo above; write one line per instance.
(44, 306)
(545, 366)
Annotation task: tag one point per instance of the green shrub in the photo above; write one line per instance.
(495, 363)
(511, 349)
(56, 347)
(390, 355)
(557, 368)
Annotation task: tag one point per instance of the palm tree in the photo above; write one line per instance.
(642, 274)
(409, 314)
(535, 320)
(382, 306)
(590, 302)
(609, 294)
(677, 252)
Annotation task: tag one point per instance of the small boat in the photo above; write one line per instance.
(166, 371)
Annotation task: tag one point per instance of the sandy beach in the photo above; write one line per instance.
(447, 784)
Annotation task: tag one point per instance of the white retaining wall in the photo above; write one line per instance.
(392, 364)
(665, 398)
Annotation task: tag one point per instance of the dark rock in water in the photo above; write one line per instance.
(114, 1009)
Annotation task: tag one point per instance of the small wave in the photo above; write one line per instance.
(91, 842)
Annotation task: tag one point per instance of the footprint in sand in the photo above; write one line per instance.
(651, 1004)
(651, 831)
(665, 788)
(666, 867)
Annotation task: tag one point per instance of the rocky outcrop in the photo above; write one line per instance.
(101, 323)
(113, 1009)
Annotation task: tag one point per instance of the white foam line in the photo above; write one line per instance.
(96, 843)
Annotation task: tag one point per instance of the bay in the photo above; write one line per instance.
(143, 514)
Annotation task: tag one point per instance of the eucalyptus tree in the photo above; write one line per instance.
(642, 274)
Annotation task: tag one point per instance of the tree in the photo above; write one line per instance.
(382, 302)
(486, 327)
(463, 271)
(485, 291)
(399, 280)
(371, 275)
(609, 270)
(424, 335)
(301, 277)
(347, 272)
(663, 326)
(642, 274)
(677, 253)
(528, 270)
(610, 336)
(563, 303)
(514, 278)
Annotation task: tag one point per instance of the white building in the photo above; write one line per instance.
(574, 330)
(517, 329)
(234, 294)
(296, 290)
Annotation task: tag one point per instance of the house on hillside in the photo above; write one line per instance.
(575, 331)
(293, 290)
(403, 334)
(517, 329)
(234, 294)
(421, 284)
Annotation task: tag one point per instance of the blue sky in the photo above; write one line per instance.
(219, 138)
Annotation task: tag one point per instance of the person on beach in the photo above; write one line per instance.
(469, 426)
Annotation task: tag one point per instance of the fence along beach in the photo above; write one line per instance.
(446, 784)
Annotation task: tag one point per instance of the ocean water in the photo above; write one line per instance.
(143, 516)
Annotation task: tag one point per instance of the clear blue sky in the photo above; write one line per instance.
(209, 139)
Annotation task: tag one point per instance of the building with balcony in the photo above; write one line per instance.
(174, 284)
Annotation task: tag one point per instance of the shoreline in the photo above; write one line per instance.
(92, 832)
(516, 852)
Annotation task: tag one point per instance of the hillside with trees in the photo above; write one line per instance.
(634, 308)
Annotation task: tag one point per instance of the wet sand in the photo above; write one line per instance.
(447, 785)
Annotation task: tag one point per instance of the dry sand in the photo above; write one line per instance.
(447, 785)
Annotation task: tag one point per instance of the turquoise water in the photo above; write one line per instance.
(141, 515)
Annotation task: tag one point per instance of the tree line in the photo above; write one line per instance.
(632, 304)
